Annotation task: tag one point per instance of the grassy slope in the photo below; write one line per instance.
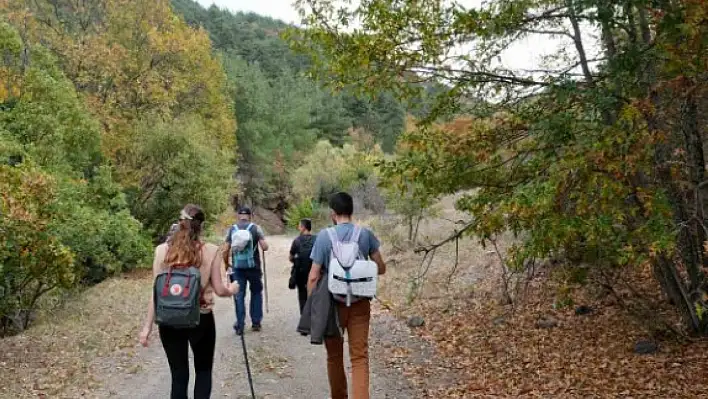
(53, 357)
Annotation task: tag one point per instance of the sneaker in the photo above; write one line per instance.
(238, 331)
(256, 327)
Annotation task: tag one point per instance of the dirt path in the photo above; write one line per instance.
(284, 364)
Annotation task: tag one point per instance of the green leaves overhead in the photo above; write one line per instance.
(592, 154)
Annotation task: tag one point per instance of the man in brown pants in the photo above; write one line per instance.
(355, 318)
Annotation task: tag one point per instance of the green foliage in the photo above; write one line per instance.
(33, 261)
(409, 198)
(136, 66)
(104, 240)
(64, 219)
(329, 169)
(281, 112)
(305, 209)
(274, 128)
(608, 166)
(179, 166)
(413, 204)
(46, 121)
(383, 116)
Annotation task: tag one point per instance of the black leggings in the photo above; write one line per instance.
(202, 340)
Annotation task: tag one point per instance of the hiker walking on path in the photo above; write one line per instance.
(300, 251)
(186, 255)
(353, 314)
(243, 239)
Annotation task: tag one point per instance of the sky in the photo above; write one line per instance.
(526, 54)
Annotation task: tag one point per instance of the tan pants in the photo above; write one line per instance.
(355, 321)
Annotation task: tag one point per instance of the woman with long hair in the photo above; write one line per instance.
(186, 248)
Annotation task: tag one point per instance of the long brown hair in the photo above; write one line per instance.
(185, 246)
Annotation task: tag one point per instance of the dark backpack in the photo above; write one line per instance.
(177, 293)
(303, 263)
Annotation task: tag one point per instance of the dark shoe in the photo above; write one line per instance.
(256, 327)
(238, 331)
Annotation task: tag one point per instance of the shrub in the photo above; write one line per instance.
(329, 169)
(33, 261)
(304, 209)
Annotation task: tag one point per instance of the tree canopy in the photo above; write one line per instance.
(282, 112)
(114, 115)
(596, 155)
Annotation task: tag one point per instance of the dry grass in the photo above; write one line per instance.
(452, 273)
(52, 358)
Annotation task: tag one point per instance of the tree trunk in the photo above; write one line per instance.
(410, 228)
(665, 272)
(417, 225)
(695, 161)
(684, 293)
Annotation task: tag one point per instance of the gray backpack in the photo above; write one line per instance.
(177, 295)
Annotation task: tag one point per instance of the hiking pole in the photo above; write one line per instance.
(265, 281)
(248, 368)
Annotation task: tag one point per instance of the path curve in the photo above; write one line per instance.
(284, 364)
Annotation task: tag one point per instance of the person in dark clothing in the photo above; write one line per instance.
(246, 269)
(300, 257)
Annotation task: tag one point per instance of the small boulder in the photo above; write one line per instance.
(645, 347)
(416, 321)
(547, 322)
(583, 310)
(498, 321)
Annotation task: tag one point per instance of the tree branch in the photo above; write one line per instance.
(578, 41)
(458, 233)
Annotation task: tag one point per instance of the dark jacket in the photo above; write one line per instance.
(300, 253)
(319, 317)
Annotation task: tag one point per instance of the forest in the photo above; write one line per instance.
(281, 112)
(587, 171)
(109, 127)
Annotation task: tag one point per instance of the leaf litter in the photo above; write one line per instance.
(486, 349)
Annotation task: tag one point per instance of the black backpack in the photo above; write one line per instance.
(303, 263)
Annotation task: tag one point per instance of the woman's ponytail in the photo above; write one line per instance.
(185, 246)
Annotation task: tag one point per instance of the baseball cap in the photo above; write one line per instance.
(244, 210)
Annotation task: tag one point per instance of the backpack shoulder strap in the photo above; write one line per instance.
(334, 240)
(332, 233)
(254, 237)
(355, 234)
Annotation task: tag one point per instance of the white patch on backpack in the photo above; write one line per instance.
(175, 289)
